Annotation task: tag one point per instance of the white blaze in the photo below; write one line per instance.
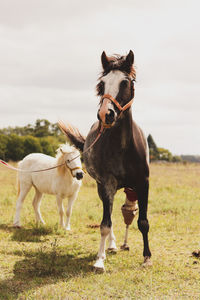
(112, 82)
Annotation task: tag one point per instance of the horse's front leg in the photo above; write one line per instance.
(59, 200)
(106, 193)
(71, 200)
(111, 239)
(143, 224)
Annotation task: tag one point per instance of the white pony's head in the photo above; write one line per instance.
(69, 156)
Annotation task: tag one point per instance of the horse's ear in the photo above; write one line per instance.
(104, 60)
(61, 150)
(130, 58)
(127, 65)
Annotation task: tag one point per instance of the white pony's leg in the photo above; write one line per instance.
(24, 189)
(69, 209)
(36, 205)
(111, 240)
(60, 210)
(99, 264)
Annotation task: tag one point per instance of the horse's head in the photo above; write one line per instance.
(71, 157)
(116, 87)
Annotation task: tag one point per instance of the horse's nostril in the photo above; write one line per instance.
(79, 175)
(110, 117)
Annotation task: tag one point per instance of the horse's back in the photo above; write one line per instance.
(31, 162)
(140, 142)
(36, 161)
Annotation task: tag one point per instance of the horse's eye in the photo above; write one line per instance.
(68, 161)
(124, 83)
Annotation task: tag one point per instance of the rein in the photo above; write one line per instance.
(34, 171)
(94, 142)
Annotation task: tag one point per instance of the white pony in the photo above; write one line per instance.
(63, 181)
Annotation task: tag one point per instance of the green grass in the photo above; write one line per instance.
(45, 262)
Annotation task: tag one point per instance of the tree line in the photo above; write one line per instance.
(42, 137)
(45, 137)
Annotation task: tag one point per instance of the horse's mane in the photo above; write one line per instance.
(117, 62)
(60, 156)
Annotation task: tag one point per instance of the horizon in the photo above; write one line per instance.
(158, 146)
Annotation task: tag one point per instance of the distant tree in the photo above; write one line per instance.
(15, 148)
(164, 154)
(153, 150)
(47, 147)
(3, 146)
(176, 158)
(42, 128)
(31, 145)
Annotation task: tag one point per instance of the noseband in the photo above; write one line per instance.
(73, 169)
(121, 108)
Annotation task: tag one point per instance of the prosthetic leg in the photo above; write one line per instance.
(129, 211)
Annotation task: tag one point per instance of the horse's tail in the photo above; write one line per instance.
(73, 134)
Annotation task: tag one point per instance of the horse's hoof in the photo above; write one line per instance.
(99, 266)
(125, 247)
(68, 228)
(17, 226)
(147, 262)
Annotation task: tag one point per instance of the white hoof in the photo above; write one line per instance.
(99, 265)
(147, 262)
(68, 228)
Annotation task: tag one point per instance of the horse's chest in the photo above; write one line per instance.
(105, 162)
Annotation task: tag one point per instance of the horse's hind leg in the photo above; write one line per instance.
(60, 210)
(69, 210)
(24, 189)
(36, 205)
(143, 223)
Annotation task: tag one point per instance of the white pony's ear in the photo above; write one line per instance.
(61, 150)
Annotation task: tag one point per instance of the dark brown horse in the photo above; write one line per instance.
(119, 159)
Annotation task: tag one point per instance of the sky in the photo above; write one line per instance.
(50, 62)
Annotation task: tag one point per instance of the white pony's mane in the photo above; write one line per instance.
(60, 156)
(64, 149)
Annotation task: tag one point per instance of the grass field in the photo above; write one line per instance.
(47, 263)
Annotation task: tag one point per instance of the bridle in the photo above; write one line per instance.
(73, 169)
(121, 108)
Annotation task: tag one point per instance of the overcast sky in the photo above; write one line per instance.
(50, 61)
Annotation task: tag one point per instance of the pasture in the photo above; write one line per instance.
(45, 262)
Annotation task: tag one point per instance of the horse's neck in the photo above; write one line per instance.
(124, 129)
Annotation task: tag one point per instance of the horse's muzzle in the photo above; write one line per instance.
(108, 119)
